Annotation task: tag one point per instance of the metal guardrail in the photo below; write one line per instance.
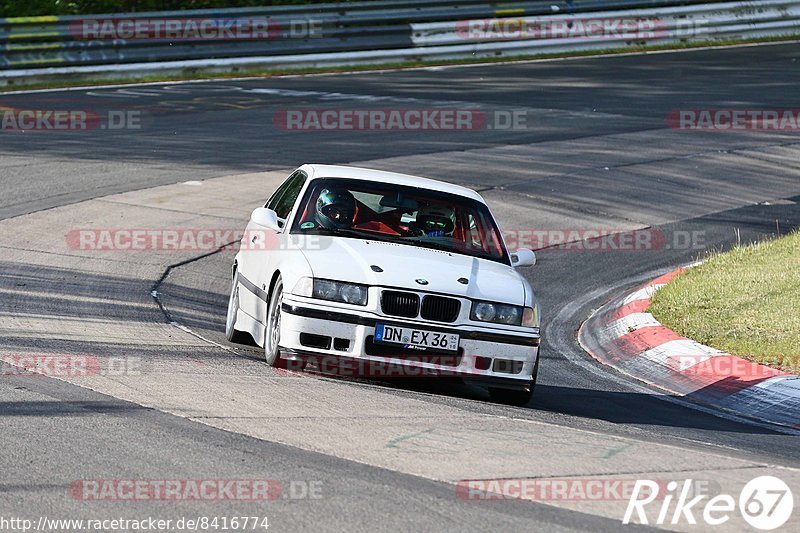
(369, 32)
(646, 26)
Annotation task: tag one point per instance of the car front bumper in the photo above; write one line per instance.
(342, 341)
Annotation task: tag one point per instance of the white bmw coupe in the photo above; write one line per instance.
(376, 268)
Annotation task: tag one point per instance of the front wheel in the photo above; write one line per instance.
(272, 333)
(231, 333)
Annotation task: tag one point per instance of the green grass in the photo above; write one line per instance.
(194, 74)
(745, 302)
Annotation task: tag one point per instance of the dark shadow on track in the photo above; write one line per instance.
(64, 408)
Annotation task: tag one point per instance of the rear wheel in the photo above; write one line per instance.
(272, 333)
(519, 398)
(231, 333)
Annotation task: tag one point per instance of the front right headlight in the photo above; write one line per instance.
(338, 291)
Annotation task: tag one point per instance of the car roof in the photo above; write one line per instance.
(339, 171)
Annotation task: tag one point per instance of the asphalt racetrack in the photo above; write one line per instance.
(589, 148)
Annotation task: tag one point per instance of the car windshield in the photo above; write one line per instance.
(399, 214)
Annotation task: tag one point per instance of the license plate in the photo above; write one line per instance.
(416, 339)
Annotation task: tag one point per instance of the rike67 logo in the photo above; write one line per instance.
(765, 503)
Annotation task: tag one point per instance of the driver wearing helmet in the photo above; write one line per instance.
(335, 209)
(435, 221)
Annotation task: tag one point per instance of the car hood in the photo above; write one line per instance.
(352, 260)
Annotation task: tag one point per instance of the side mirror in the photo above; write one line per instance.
(266, 218)
(523, 258)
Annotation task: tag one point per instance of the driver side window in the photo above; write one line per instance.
(285, 197)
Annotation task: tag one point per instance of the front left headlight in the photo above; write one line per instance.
(338, 291)
(530, 317)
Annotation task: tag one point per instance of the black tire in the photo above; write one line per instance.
(519, 398)
(516, 397)
(272, 328)
(231, 333)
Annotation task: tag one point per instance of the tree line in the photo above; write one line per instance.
(32, 8)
